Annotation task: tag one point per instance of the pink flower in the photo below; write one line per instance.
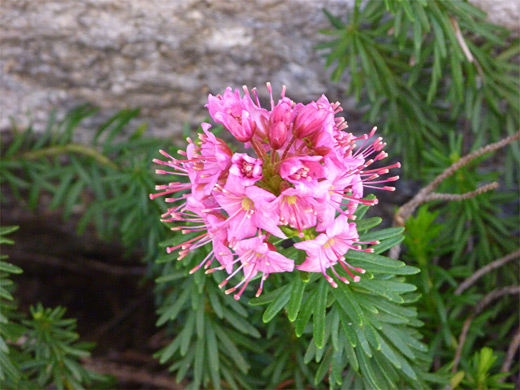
(277, 135)
(313, 118)
(329, 248)
(207, 163)
(295, 210)
(279, 123)
(239, 115)
(257, 255)
(303, 173)
(247, 169)
(247, 209)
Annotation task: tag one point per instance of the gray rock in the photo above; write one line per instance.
(162, 55)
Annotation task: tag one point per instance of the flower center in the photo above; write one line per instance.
(301, 173)
(291, 199)
(246, 204)
(247, 169)
(329, 243)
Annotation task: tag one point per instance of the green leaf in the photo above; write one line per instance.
(277, 304)
(335, 22)
(324, 366)
(198, 364)
(367, 223)
(265, 298)
(172, 311)
(5, 230)
(232, 351)
(387, 244)
(386, 288)
(337, 367)
(390, 355)
(381, 234)
(199, 322)
(166, 353)
(10, 268)
(319, 313)
(187, 333)
(348, 303)
(378, 269)
(305, 314)
(351, 356)
(374, 259)
(363, 341)
(215, 304)
(170, 277)
(375, 381)
(241, 324)
(456, 74)
(372, 336)
(295, 300)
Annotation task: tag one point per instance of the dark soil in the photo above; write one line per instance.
(106, 291)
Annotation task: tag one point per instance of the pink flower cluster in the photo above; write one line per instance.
(303, 181)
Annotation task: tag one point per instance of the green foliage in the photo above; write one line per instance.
(212, 331)
(112, 175)
(444, 313)
(366, 328)
(50, 341)
(421, 237)
(479, 375)
(481, 222)
(300, 332)
(441, 81)
(312, 329)
(421, 69)
(39, 351)
(9, 330)
(109, 180)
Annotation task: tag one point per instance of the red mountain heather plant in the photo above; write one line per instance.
(302, 180)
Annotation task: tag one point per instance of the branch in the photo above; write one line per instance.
(408, 208)
(458, 197)
(425, 194)
(511, 352)
(491, 266)
(476, 310)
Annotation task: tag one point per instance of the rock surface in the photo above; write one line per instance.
(162, 55)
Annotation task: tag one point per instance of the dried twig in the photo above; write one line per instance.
(425, 194)
(491, 266)
(476, 310)
(511, 352)
(458, 197)
(464, 46)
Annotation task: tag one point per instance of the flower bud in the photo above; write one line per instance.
(277, 135)
(310, 119)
